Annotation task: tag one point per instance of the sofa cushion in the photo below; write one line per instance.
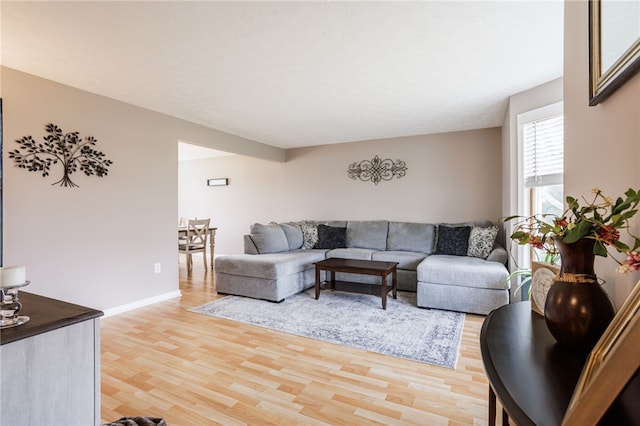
(249, 245)
(413, 237)
(453, 240)
(462, 299)
(367, 234)
(294, 235)
(271, 266)
(462, 271)
(481, 241)
(269, 238)
(309, 235)
(408, 260)
(331, 237)
(351, 253)
(498, 254)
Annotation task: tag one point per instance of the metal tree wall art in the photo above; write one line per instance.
(68, 149)
(377, 170)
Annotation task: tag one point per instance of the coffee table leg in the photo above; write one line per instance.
(317, 282)
(394, 286)
(384, 291)
(333, 280)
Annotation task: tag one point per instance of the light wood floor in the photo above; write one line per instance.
(191, 369)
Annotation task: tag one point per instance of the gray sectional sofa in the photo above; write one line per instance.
(456, 267)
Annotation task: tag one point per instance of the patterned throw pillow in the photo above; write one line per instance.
(481, 241)
(309, 235)
(453, 240)
(331, 237)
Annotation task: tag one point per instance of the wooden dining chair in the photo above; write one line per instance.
(196, 241)
(182, 225)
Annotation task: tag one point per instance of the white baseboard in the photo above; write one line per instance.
(141, 303)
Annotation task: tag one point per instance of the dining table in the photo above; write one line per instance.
(211, 235)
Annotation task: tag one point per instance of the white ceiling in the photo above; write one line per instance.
(295, 74)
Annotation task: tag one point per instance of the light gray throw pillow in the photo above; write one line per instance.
(406, 236)
(369, 234)
(294, 235)
(269, 238)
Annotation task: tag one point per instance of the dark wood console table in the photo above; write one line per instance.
(532, 376)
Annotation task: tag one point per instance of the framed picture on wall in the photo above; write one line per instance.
(614, 46)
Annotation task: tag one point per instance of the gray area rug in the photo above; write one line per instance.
(354, 320)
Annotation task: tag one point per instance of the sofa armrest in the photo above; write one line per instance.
(498, 254)
(249, 246)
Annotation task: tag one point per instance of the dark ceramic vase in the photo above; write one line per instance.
(577, 310)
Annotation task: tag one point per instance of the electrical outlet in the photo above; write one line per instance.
(157, 268)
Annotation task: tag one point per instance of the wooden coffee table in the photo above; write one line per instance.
(365, 267)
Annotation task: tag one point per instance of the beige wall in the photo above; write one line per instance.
(450, 177)
(537, 97)
(602, 143)
(96, 245)
(255, 194)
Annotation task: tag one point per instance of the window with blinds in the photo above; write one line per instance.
(543, 146)
(540, 169)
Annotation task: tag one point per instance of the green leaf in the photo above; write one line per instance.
(599, 249)
(629, 214)
(632, 194)
(577, 233)
(545, 228)
(518, 235)
(621, 206)
(620, 246)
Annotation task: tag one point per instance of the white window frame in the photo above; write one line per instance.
(523, 253)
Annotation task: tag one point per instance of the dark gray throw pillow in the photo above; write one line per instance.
(330, 237)
(453, 240)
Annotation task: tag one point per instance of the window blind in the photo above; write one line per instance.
(543, 151)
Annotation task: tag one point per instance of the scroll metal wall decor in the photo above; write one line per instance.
(68, 149)
(377, 170)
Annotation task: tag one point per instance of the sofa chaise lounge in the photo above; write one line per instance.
(456, 267)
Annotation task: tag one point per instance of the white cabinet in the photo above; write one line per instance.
(50, 369)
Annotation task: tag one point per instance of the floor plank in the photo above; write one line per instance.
(191, 369)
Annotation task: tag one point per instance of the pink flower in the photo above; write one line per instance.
(608, 234)
(633, 261)
(562, 222)
(536, 242)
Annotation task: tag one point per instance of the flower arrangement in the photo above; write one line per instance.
(600, 219)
